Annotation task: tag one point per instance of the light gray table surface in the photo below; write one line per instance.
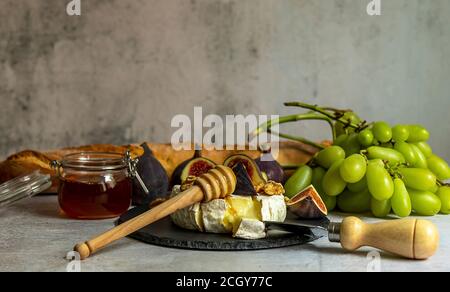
(35, 237)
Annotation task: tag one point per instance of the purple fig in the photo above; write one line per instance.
(268, 165)
(307, 204)
(176, 175)
(196, 167)
(250, 166)
(154, 176)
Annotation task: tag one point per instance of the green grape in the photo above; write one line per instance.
(330, 202)
(332, 183)
(354, 202)
(379, 182)
(401, 202)
(330, 155)
(388, 145)
(435, 189)
(301, 179)
(380, 209)
(382, 132)
(392, 156)
(407, 151)
(351, 145)
(348, 116)
(418, 178)
(365, 138)
(400, 133)
(421, 161)
(418, 133)
(379, 162)
(444, 195)
(424, 203)
(425, 148)
(353, 169)
(317, 177)
(358, 186)
(439, 167)
(340, 140)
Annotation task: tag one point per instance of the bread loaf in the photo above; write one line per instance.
(291, 153)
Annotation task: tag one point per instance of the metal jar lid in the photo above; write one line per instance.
(23, 187)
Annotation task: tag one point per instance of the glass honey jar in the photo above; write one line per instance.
(94, 185)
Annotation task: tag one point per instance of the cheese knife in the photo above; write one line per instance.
(409, 238)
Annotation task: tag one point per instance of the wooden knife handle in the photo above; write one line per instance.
(410, 238)
(217, 183)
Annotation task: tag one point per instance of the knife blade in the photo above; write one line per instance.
(320, 227)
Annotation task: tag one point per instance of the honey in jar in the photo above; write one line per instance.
(94, 185)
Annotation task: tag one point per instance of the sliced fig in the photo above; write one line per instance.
(196, 167)
(154, 176)
(176, 175)
(269, 166)
(250, 165)
(244, 185)
(307, 204)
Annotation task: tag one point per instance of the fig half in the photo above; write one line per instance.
(176, 175)
(307, 204)
(250, 165)
(196, 167)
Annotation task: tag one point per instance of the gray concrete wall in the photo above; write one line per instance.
(119, 72)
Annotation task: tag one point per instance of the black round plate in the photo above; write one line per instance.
(165, 233)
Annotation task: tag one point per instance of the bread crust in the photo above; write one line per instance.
(24, 162)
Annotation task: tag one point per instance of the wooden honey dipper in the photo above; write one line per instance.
(216, 183)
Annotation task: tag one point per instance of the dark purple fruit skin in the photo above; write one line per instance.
(154, 177)
(306, 209)
(244, 185)
(176, 175)
(271, 167)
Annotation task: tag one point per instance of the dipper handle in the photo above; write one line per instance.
(410, 238)
(216, 183)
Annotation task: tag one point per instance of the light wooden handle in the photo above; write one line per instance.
(410, 238)
(217, 183)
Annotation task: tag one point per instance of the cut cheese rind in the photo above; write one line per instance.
(250, 229)
(213, 214)
(273, 208)
(241, 216)
(189, 217)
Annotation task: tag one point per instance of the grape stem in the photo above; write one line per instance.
(336, 110)
(291, 118)
(297, 138)
(337, 116)
(266, 127)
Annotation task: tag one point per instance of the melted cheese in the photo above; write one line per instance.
(239, 208)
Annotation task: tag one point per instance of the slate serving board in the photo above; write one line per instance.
(165, 233)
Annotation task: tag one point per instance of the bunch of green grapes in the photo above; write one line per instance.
(381, 169)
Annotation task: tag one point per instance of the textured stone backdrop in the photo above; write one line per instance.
(119, 72)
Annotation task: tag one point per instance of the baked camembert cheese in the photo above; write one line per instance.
(241, 216)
